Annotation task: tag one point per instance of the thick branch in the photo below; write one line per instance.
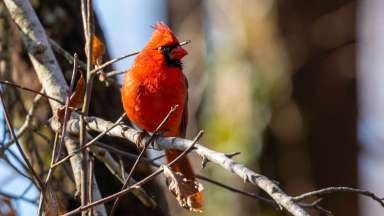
(46, 68)
(280, 197)
(39, 50)
(44, 63)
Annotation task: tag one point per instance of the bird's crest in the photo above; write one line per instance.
(162, 36)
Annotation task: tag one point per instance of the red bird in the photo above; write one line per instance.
(153, 85)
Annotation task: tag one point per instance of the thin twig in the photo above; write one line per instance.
(122, 170)
(110, 62)
(42, 94)
(86, 12)
(113, 166)
(145, 180)
(50, 172)
(159, 127)
(54, 156)
(330, 190)
(29, 187)
(66, 110)
(11, 130)
(106, 64)
(46, 67)
(151, 162)
(114, 73)
(235, 190)
(314, 204)
(15, 197)
(5, 82)
(54, 149)
(58, 49)
(16, 169)
(90, 186)
(118, 121)
(26, 124)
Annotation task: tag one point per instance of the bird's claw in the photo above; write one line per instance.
(139, 144)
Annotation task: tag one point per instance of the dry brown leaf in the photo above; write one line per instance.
(98, 50)
(77, 96)
(75, 101)
(187, 192)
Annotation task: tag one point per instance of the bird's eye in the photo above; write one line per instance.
(165, 49)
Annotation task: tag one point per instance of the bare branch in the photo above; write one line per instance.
(145, 180)
(39, 50)
(331, 190)
(154, 135)
(23, 154)
(50, 171)
(26, 124)
(4, 82)
(86, 12)
(4, 194)
(58, 49)
(118, 121)
(114, 167)
(269, 186)
(108, 63)
(43, 61)
(66, 112)
(132, 135)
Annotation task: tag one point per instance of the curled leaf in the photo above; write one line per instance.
(98, 50)
(75, 101)
(187, 192)
(77, 97)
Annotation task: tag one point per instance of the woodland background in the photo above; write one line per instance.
(292, 85)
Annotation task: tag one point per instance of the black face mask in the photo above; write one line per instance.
(166, 51)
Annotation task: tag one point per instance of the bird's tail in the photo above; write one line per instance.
(183, 165)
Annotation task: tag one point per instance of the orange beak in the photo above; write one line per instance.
(178, 53)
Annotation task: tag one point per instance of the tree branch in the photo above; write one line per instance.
(269, 186)
(299, 199)
(43, 61)
(114, 167)
(145, 180)
(331, 190)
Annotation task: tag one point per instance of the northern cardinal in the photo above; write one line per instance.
(153, 85)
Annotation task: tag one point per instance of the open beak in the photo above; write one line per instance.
(178, 53)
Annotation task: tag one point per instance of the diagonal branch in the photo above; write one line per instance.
(14, 137)
(221, 159)
(331, 190)
(58, 49)
(145, 180)
(153, 137)
(113, 166)
(26, 125)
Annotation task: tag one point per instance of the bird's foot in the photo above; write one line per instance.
(139, 143)
(151, 141)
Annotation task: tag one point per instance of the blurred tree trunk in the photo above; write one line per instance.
(320, 38)
(62, 21)
(370, 79)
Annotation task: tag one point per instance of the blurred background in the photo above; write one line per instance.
(296, 86)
